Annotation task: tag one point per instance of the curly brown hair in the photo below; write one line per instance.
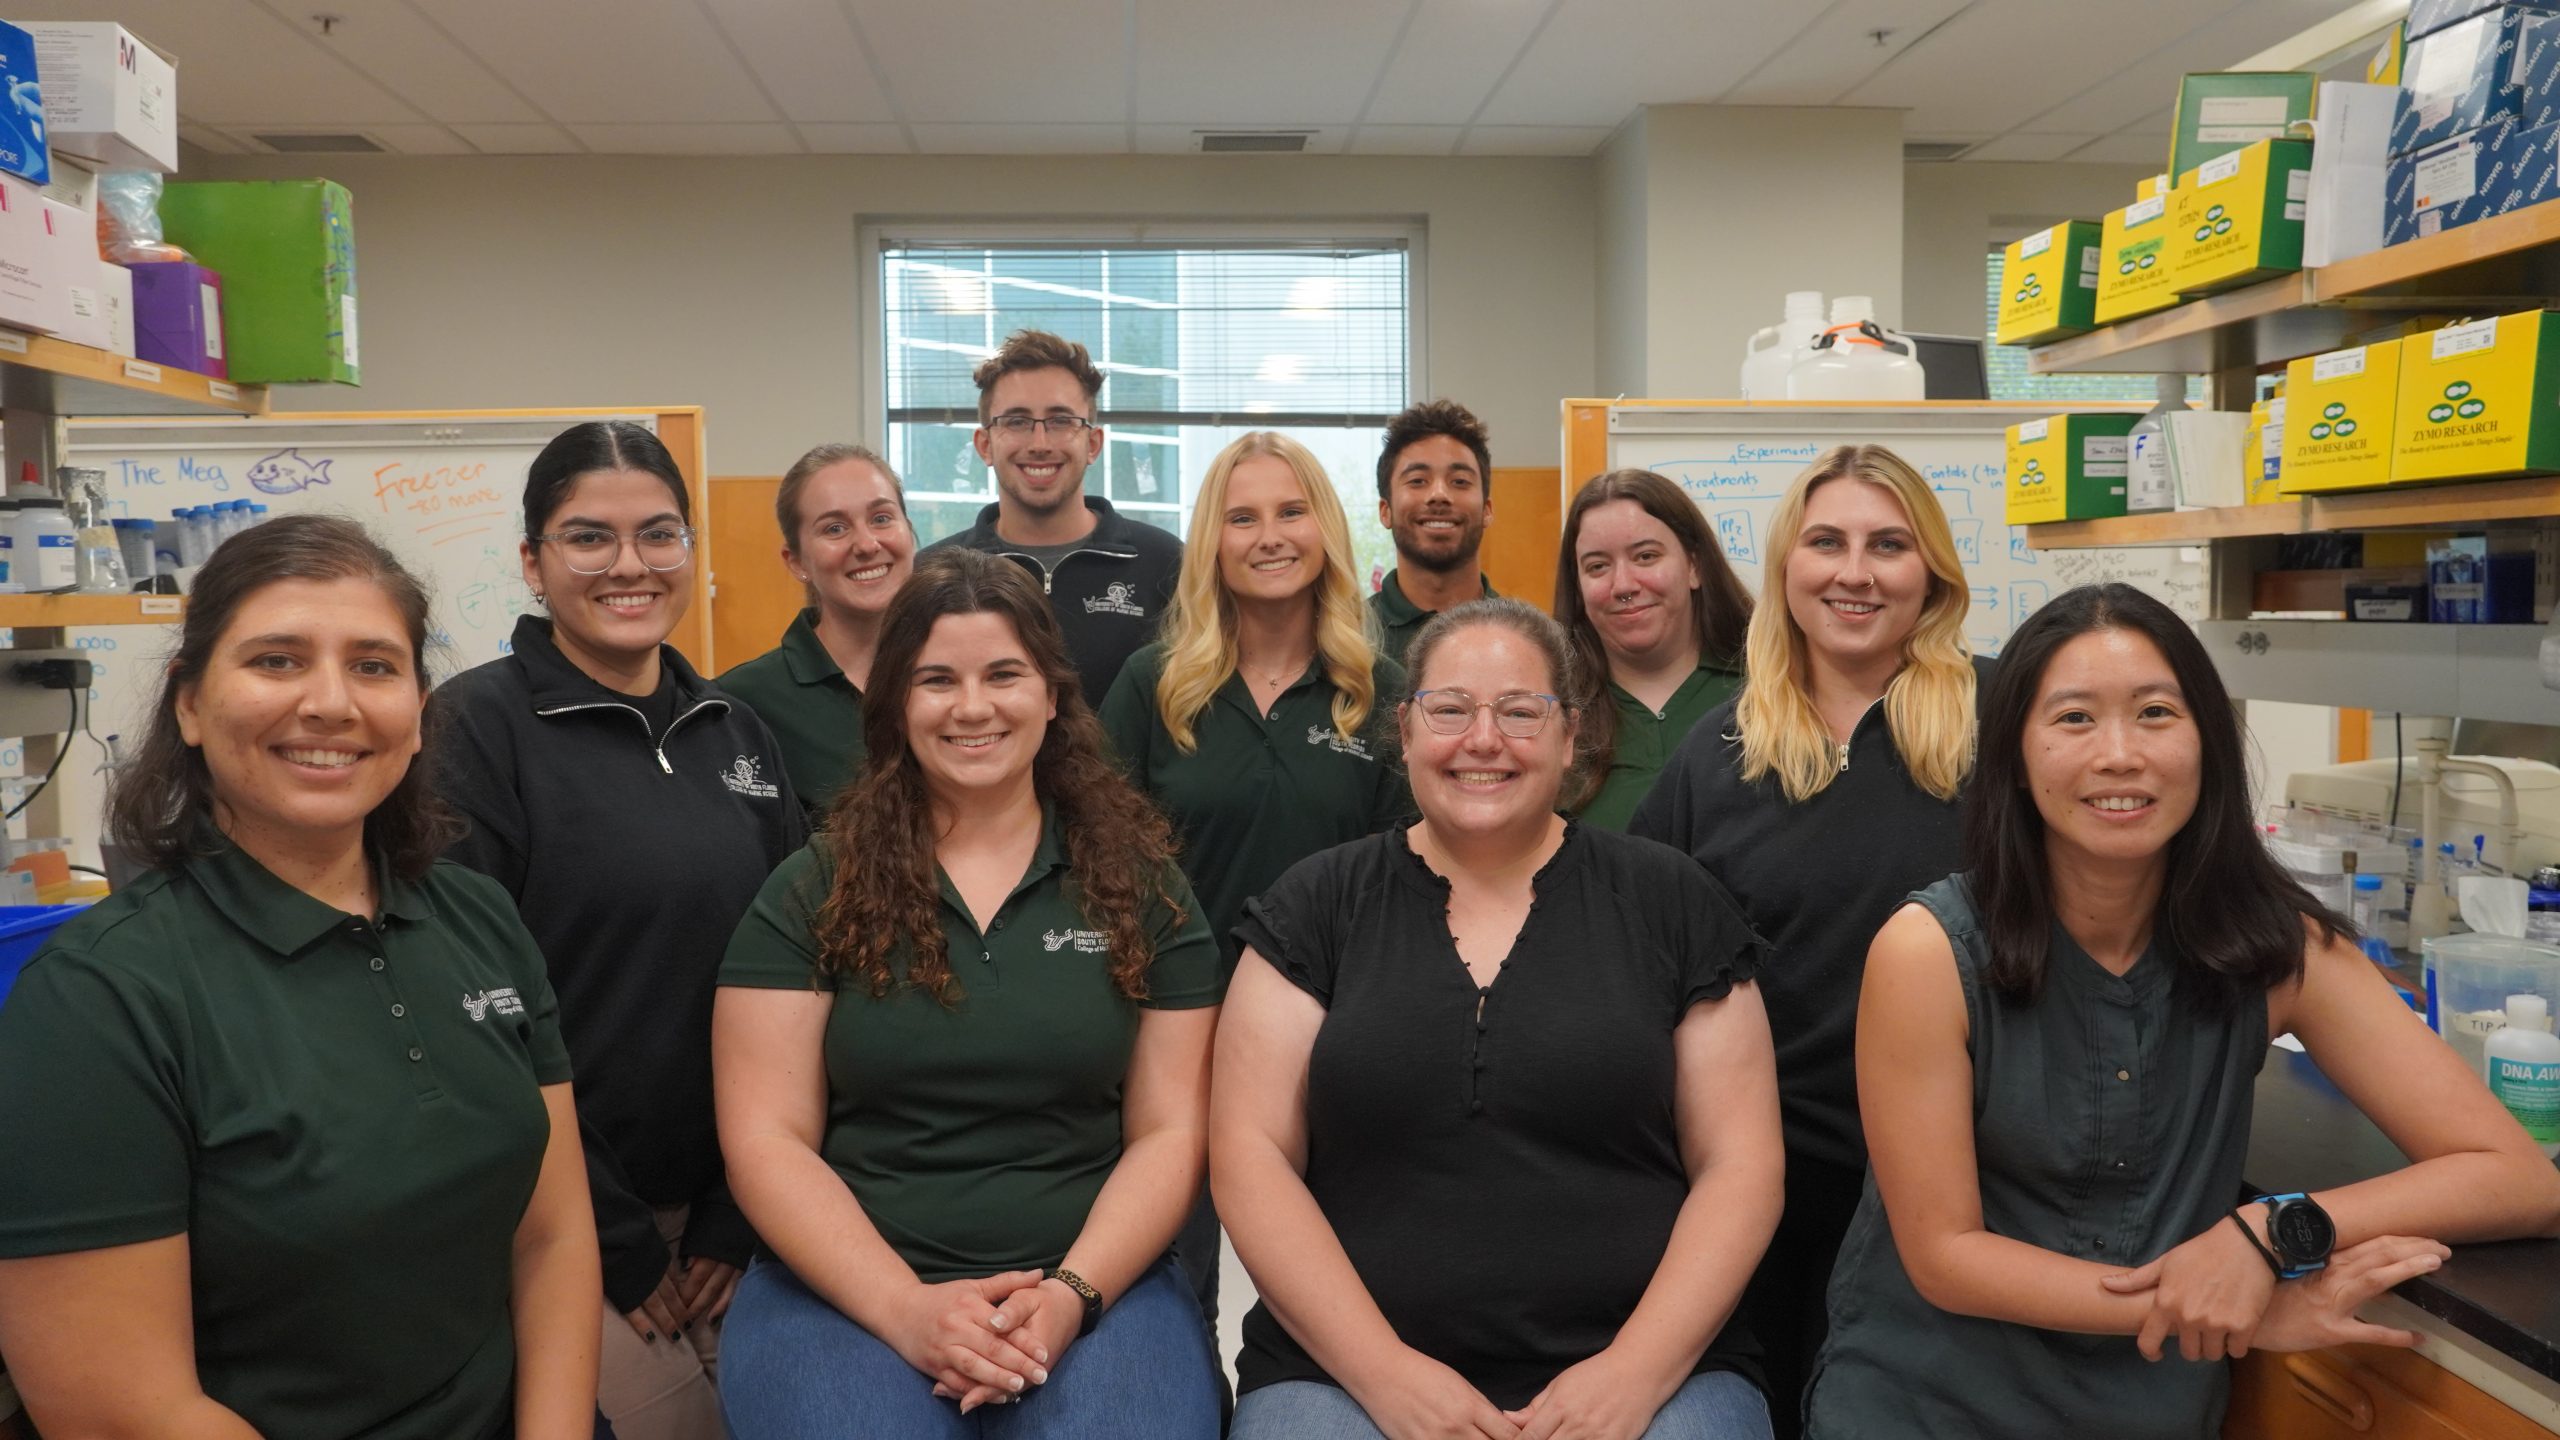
(1120, 849)
(1036, 350)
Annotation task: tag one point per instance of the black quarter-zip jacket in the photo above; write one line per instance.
(1110, 593)
(631, 856)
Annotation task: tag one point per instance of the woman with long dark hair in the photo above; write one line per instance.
(1658, 621)
(291, 1149)
(2056, 1051)
(632, 810)
(963, 1048)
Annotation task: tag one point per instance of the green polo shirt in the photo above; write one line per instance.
(343, 1116)
(1646, 739)
(802, 695)
(1399, 619)
(977, 1134)
(1259, 793)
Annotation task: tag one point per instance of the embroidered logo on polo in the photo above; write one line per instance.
(745, 776)
(1355, 746)
(1118, 598)
(504, 1000)
(1087, 942)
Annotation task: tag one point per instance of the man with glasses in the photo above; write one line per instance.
(1108, 577)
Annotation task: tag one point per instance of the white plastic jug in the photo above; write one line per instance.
(1773, 350)
(1857, 359)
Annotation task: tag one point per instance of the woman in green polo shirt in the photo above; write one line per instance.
(846, 539)
(292, 1148)
(961, 1052)
(1657, 620)
(1255, 720)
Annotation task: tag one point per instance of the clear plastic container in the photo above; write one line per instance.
(2470, 978)
(46, 546)
(1772, 351)
(136, 539)
(10, 582)
(1863, 361)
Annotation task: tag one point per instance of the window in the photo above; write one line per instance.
(2006, 366)
(1199, 341)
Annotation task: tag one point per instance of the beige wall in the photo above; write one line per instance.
(1953, 213)
(730, 283)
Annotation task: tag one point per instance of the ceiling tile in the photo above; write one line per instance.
(1534, 139)
(1251, 62)
(610, 62)
(2149, 82)
(1592, 65)
(772, 139)
(240, 65)
(420, 139)
(1404, 140)
(401, 47)
(855, 139)
(205, 137)
(805, 53)
(2142, 145)
(1022, 139)
(518, 139)
(2022, 145)
(1829, 59)
(1998, 64)
(987, 61)
(1452, 52)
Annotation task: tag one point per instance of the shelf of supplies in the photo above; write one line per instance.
(38, 612)
(2508, 262)
(2176, 527)
(57, 377)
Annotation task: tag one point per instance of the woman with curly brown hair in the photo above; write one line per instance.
(961, 1052)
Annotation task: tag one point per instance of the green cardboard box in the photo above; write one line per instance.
(2227, 110)
(286, 250)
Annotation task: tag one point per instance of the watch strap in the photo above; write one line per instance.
(1091, 1297)
(2255, 1243)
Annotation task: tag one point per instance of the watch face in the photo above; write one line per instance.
(2302, 1231)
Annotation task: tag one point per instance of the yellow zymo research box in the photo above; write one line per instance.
(2479, 399)
(2067, 467)
(2151, 187)
(2049, 284)
(2239, 216)
(2133, 261)
(2337, 425)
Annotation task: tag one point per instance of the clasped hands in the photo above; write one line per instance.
(988, 1340)
(2216, 1294)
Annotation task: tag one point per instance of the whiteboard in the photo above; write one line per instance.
(443, 493)
(1737, 461)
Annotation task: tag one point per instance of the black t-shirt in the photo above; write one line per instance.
(1502, 1165)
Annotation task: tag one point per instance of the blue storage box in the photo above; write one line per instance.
(23, 931)
(23, 152)
(2499, 64)
(2426, 17)
(2490, 171)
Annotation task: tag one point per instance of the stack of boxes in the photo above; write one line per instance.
(2478, 130)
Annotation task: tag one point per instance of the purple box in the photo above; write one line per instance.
(177, 318)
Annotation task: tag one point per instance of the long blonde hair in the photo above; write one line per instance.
(1929, 703)
(1200, 630)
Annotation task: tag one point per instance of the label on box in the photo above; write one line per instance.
(2448, 177)
(2456, 340)
(2252, 110)
(2296, 209)
(2399, 607)
(2036, 244)
(347, 323)
(2031, 431)
(2338, 364)
(2297, 185)
(212, 321)
(2089, 267)
(2103, 456)
(2142, 211)
(2218, 169)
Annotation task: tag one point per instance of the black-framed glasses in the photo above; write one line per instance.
(1520, 714)
(1059, 427)
(591, 550)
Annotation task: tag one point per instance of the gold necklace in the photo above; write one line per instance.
(1282, 680)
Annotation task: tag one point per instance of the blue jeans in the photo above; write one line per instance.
(792, 1367)
(1718, 1405)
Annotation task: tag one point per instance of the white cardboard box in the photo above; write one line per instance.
(75, 183)
(115, 290)
(32, 294)
(107, 96)
(74, 239)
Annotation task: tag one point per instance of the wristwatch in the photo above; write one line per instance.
(1092, 1298)
(2300, 1235)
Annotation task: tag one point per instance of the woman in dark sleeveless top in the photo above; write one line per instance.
(2056, 1052)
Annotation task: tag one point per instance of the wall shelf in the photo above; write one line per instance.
(2481, 672)
(2472, 503)
(2178, 527)
(56, 377)
(53, 612)
(2509, 262)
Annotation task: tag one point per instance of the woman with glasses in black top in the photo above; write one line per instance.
(633, 811)
(1495, 1122)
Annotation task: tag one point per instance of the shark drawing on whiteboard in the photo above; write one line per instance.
(286, 471)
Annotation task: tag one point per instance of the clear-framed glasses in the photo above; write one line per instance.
(1520, 714)
(591, 550)
(1060, 427)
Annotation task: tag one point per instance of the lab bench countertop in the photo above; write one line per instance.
(2307, 1136)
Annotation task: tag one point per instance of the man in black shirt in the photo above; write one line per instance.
(1435, 477)
(1108, 577)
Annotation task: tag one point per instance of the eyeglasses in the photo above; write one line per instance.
(1520, 714)
(1060, 427)
(590, 551)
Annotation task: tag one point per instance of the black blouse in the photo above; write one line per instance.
(1501, 1165)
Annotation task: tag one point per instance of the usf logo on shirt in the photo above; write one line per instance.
(745, 776)
(504, 1000)
(1118, 598)
(1087, 942)
(1355, 746)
